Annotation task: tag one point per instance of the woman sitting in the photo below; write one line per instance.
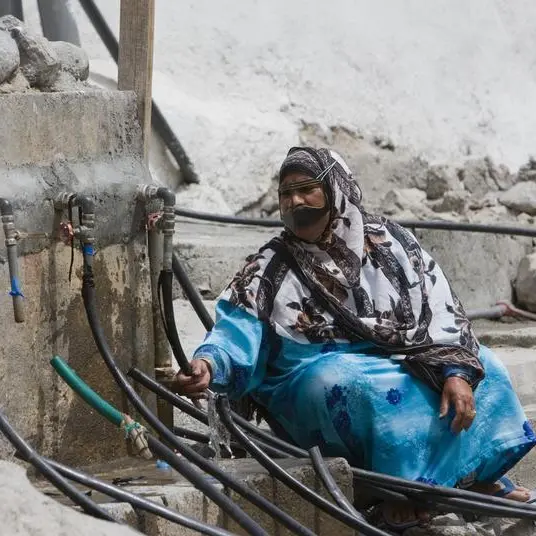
(347, 332)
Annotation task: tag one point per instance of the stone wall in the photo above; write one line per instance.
(89, 143)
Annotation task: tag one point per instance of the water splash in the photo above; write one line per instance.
(218, 433)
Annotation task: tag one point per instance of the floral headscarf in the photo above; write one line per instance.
(366, 279)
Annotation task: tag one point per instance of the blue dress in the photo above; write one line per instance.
(353, 402)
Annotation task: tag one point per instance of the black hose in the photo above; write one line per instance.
(88, 294)
(397, 483)
(411, 224)
(165, 294)
(191, 293)
(222, 405)
(137, 502)
(329, 483)
(157, 117)
(29, 455)
(273, 445)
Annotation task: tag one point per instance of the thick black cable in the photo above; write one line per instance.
(222, 405)
(138, 502)
(411, 224)
(165, 294)
(329, 482)
(397, 483)
(191, 293)
(89, 298)
(26, 452)
(265, 438)
(158, 120)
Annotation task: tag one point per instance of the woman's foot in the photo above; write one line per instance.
(402, 515)
(517, 493)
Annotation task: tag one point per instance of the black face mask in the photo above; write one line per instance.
(303, 216)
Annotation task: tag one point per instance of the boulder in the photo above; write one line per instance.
(521, 197)
(481, 175)
(9, 56)
(38, 61)
(25, 511)
(8, 22)
(73, 59)
(528, 171)
(452, 201)
(404, 199)
(439, 180)
(525, 284)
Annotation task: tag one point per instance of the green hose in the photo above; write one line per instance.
(85, 392)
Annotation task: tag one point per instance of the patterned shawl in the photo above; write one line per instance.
(366, 279)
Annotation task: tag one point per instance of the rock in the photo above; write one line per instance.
(38, 61)
(528, 171)
(16, 84)
(481, 176)
(452, 201)
(8, 22)
(65, 82)
(478, 202)
(525, 283)
(9, 56)
(398, 200)
(25, 511)
(439, 180)
(73, 59)
(521, 197)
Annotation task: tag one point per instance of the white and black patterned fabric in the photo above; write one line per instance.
(366, 279)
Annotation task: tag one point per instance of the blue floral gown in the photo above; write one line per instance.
(353, 402)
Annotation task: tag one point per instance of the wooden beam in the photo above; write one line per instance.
(135, 65)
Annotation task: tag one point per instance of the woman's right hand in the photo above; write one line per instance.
(195, 385)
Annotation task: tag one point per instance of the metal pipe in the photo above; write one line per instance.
(12, 7)
(11, 234)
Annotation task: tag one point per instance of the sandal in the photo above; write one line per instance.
(509, 487)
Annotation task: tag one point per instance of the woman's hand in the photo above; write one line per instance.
(193, 386)
(458, 394)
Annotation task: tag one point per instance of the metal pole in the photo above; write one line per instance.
(11, 7)
(58, 22)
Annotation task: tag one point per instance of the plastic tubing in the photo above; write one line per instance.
(329, 482)
(264, 439)
(410, 486)
(412, 224)
(29, 455)
(141, 503)
(85, 392)
(89, 298)
(165, 284)
(159, 121)
(179, 464)
(191, 293)
(222, 405)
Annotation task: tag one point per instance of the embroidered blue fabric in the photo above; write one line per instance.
(353, 403)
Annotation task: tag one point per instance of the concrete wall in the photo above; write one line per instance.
(90, 143)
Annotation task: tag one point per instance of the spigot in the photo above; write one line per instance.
(11, 236)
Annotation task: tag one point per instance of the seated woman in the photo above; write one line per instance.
(349, 334)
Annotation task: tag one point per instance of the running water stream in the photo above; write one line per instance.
(218, 433)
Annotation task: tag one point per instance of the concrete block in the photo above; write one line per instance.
(124, 513)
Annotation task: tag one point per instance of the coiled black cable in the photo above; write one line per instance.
(140, 503)
(29, 455)
(89, 298)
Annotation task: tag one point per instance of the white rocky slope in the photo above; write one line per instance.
(445, 80)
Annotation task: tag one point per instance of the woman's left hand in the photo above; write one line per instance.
(458, 394)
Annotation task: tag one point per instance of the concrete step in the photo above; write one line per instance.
(167, 487)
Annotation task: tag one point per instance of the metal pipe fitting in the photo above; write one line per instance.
(11, 235)
(147, 192)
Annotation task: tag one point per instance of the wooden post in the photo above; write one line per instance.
(135, 65)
